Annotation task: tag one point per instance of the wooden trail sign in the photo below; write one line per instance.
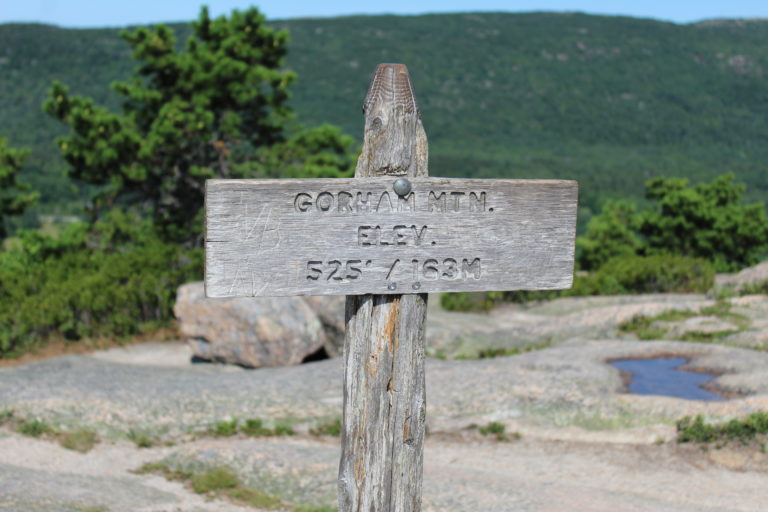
(384, 239)
(351, 236)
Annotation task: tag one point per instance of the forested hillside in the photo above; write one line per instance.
(608, 101)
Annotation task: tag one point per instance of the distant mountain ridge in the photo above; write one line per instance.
(609, 101)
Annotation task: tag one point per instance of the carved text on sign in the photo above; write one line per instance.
(388, 202)
(340, 271)
(352, 236)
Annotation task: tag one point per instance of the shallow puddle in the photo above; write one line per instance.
(660, 376)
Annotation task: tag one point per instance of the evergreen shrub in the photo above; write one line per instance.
(117, 280)
(663, 273)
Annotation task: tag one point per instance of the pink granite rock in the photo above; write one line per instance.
(251, 332)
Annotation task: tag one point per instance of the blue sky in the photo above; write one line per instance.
(101, 13)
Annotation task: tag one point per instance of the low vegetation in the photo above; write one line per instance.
(142, 438)
(223, 483)
(139, 162)
(748, 430)
(251, 427)
(654, 328)
(492, 352)
(496, 430)
(139, 171)
(80, 439)
(6, 415)
(34, 428)
(621, 275)
(328, 428)
(754, 288)
(686, 234)
(115, 279)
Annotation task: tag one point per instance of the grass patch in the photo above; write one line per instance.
(81, 440)
(223, 483)
(163, 469)
(214, 480)
(142, 439)
(491, 352)
(254, 498)
(756, 288)
(620, 417)
(252, 427)
(282, 429)
(6, 415)
(224, 428)
(437, 354)
(34, 428)
(498, 430)
(646, 327)
(330, 428)
(706, 337)
(744, 430)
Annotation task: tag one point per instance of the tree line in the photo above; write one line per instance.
(218, 106)
(215, 107)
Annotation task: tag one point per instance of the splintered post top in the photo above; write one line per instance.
(394, 141)
(391, 86)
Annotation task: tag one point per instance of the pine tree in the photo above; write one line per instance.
(201, 112)
(14, 196)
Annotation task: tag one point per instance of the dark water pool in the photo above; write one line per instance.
(660, 376)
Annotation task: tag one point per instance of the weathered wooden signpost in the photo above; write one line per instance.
(386, 239)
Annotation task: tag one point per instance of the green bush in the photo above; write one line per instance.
(466, 301)
(499, 432)
(705, 221)
(648, 274)
(254, 427)
(610, 234)
(225, 428)
(741, 429)
(622, 275)
(282, 429)
(114, 280)
(34, 428)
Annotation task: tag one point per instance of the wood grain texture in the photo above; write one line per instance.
(356, 236)
(382, 455)
(394, 142)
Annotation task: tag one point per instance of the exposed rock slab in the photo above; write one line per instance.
(539, 393)
(37, 476)
(554, 322)
(697, 324)
(524, 476)
(748, 276)
(461, 475)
